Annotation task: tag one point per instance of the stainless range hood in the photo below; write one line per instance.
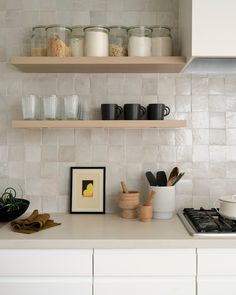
(206, 29)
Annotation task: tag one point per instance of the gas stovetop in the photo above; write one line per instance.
(207, 222)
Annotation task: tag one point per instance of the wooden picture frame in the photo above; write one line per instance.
(87, 193)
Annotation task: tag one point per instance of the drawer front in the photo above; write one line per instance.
(216, 285)
(46, 262)
(145, 262)
(141, 286)
(218, 262)
(39, 286)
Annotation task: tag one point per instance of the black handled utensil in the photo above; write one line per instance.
(161, 178)
(151, 178)
(178, 178)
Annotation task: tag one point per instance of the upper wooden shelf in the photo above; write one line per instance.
(99, 124)
(152, 64)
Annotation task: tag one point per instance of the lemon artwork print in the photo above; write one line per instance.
(87, 187)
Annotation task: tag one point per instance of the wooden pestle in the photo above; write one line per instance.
(124, 187)
(150, 198)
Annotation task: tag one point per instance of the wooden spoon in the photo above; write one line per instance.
(150, 198)
(124, 187)
(174, 173)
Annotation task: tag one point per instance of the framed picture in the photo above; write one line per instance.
(88, 190)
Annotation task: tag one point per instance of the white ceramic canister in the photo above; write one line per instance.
(140, 43)
(227, 206)
(161, 41)
(96, 41)
(164, 202)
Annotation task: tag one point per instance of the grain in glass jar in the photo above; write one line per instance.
(58, 41)
(118, 41)
(96, 41)
(77, 41)
(140, 43)
(161, 41)
(39, 41)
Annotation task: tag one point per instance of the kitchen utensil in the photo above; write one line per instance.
(178, 178)
(227, 207)
(164, 204)
(161, 178)
(124, 187)
(145, 213)
(151, 178)
(174, 172)
(129, 202)
(157, 111)
(150, 198)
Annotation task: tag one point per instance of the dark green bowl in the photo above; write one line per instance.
(9, 216)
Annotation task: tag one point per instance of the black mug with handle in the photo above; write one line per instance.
(133, 111)
(111, 111)
(157, 111)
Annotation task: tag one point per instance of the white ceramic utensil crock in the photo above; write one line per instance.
(227, 207)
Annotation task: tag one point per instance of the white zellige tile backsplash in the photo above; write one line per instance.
(39, 160)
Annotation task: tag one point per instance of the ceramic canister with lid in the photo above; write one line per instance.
(140, 43)
(161, 41)
(77, 41)
(96, 41)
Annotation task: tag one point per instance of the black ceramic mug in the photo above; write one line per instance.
(133, 111)
(110, 111)
(157, 111)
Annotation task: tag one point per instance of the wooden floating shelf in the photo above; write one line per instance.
(152, 64)
(133, 124)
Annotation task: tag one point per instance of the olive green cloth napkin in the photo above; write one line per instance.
(33, 223)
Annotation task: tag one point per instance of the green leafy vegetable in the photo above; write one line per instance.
(8, 200)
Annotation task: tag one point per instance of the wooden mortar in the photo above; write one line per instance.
(145, 213)
(128, 203)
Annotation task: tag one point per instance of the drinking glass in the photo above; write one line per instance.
(71, 107)
(51, 107)
(30, 107)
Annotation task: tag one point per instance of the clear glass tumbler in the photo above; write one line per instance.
(71, 107)
(51, 107)
(31, 107)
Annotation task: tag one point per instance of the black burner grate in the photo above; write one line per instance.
(209, 221)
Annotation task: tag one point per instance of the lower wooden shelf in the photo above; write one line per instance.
(139, 124)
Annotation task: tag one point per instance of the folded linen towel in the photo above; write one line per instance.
(33, 223)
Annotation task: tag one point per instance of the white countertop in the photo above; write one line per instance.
(109, 231)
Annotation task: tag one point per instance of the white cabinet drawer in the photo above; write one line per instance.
(46, 262)
(148, 286)
(145, 262)
(216, 285)
(39, 286)
(216, 262)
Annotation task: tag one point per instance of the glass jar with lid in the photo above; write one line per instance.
(140, 43)
(39, 41)
(96, 41)
(161, 41)
(77, 41)
(58, 41)
(118, 41)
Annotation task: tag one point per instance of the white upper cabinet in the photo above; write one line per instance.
(206, 30)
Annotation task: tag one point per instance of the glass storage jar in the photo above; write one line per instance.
(58, 41)
(118, 41)
(140, 43)
(39, 41)
(161, 41)
(96, 41)
(77, 41)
